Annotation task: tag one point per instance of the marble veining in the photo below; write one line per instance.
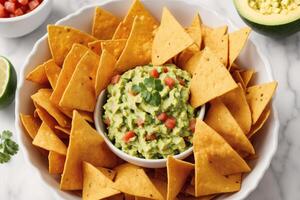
(282, 180)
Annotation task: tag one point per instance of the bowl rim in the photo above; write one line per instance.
(148, 163)
(27, 15)
(226, 18)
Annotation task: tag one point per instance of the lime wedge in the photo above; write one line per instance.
(8, 82)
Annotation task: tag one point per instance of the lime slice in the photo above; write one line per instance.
(8, 82)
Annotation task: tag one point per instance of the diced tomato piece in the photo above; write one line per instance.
(115, 79)
(2, 2)
(24, 8)
(170, 123)
(150, 137)
(128, 136)
(19, 12)
(107, 121)
(13, 1)
(10, 6)
(181, 81)
(140, 122)
(165, 70)
(169, 82)
(2, 11)
(154, 73)
(162, 116)
(23, 2)
(192, 125)
(33, 4)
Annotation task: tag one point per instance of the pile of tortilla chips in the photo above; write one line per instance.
(82, 65)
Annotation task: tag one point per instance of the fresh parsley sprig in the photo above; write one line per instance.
(8, 147)
(149, 90)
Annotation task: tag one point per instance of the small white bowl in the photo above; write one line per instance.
(24, 24)
(148, 163)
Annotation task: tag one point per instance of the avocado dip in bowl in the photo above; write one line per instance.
(144, 115)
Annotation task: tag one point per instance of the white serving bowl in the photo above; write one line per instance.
(22, 25)
(149, 163)
(265, 143)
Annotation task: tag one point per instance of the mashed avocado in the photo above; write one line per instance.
(147, 111)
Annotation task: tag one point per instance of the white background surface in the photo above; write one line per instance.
(282, 180)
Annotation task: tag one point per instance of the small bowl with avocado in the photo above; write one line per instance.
(144, 115)
(273, 18)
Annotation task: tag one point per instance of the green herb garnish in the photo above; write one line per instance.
(149, 90)
(8, 147)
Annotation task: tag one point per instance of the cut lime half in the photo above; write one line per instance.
(8, 82)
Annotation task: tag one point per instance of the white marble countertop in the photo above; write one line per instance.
(282, 180)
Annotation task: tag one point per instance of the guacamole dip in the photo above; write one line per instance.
(147, 111)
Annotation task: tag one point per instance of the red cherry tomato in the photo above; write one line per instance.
(162, 116)
(33, 4)
(10, 6)
(169, 82)
(170, 123)
(115, 79)
(23, 2)
(165, 70)
(154, 73)
(19, 12)
(192, 125)
(128, 136)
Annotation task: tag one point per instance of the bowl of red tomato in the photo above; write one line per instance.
(20, 17)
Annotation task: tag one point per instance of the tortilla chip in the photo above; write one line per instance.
(80, 92)
(137, 9)
(219, 152)
(169, 40)
(178, 171)
(96, 183)
(247, 76)
(70, 62)
(258, 97)
(38, 75)
(106, 71)
(96, 46)
(260, 122)
(236, 102)
(205, 30)
(104, 24)
(56, 162)
(161, 173)
(85, 144)
(133, 180)
(63, 130)
(61, 40)
(208, 180)
(237, 41)
(47, 139)
(45, 117)
(193, 63)
(190, 190)
(42, 98)
(117, 197)
(194, 30)
(115, 47)
(30, 124)
(238, 79)
(138, 48)
(210, 78)
(220, 119)
(52, 71)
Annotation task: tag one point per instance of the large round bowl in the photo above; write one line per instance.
(264, 143)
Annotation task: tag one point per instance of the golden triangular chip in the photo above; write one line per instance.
(220, 119)
(42, 98)
(247, 76)
(115, 47)
(80, 92)
(258, 97)
(61, 40)
(193, 63)
(190, 190)
(68, 68)
(38, 75)
(170, 39)
(56, 162)
(64, 130)
(45, 117)
(178, 171)
(236, 102)
(96, 183)
(133, 180)
(85, 144)
(96, 46)
(219, 152)
(208, 180)
(104, 24)
(30, 124)
(138, 48)
(237, 41)
(47, 139)
(88, 116)
(106, 71)
(194, 30)
(210, 78)
(238, 78)
(52, 71)
(137, 9)
(260, 122)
